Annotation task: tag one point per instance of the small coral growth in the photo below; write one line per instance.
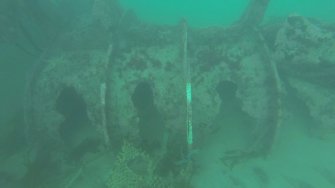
(135, 168)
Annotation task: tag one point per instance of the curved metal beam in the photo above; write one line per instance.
(254, 13)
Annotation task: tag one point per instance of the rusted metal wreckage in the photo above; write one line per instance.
(119, 78)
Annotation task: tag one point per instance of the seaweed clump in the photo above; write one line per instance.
(135, 168)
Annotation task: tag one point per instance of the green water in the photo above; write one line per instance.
(96, 94)
(198, 13)
(224, 12)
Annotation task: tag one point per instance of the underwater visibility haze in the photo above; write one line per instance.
(167, 94)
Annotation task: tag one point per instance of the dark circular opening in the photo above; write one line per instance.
(227, 90)
(143, 98)
(151, 124)
(72, 106)
(79, 137)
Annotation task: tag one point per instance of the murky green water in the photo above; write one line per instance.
(160, 94)
(218, 12)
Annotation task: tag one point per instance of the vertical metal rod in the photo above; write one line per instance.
(103, 95)
(188, 86)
